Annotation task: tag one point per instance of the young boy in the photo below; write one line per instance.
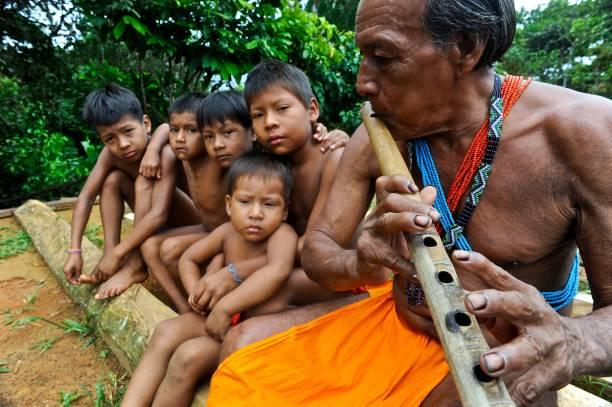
(115, 113)
(284, 112)
(224, 121)
(184, 349)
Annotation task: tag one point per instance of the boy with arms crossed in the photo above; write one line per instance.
(116, 115)
(185, 348)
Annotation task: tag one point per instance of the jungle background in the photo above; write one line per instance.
(53, 53)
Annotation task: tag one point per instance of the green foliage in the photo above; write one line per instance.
(67, 397)
(92, 233)
(46, 344)
(339, 12)
(14, 244)
(567, 44)
(4, 368)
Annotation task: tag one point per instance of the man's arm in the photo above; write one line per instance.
(82, 210)
(150, 164)
(327, 258)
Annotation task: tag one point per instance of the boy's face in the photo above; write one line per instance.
(227, 141)
(256, 207)
(281, 122)
(185, 136)
(126, 138)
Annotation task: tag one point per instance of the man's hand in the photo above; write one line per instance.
(106, 267)
(210, 289)
(332, 140)
(382, 243)
(218, 323)
(150, 165)
(73, 268)
(543, 355)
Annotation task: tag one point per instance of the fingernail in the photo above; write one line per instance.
(421, 221)
(412, 187)
(494, 362)
(434, 214)
(477, 301)
(461, 255)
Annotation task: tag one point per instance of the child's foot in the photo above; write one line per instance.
(131, 272)
(120, 282)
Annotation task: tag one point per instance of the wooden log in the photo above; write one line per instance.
(572, 396)
(126, 322)
(57, 205)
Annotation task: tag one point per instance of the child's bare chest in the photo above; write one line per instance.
(303, 200)
(207, 187)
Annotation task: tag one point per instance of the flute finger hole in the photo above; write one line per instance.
(430, 242)
(445, 277)
(481, 375)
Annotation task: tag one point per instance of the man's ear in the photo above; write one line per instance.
(147, 123)
(467, 51)
(313, 110)
(228, 204)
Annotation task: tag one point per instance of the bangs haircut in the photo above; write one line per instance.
(264, 166)
(107, 106)
(270, 73)
(221, 106)
(187, 103)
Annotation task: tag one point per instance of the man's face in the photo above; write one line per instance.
(126, 138)
(405, 76)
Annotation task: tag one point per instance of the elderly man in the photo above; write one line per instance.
(542, 189)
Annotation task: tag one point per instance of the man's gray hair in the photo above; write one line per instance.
(492, 20)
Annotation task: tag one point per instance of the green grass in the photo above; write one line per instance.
(4, 368)
(595, 386)
(66, 398)
(92, 232)
(46, 344)
(14, 244)
(83, 328)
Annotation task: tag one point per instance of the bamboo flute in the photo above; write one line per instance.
(458, 330)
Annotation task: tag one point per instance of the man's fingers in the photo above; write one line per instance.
(520, 354)
(494, 276)
(394, 184)
(509, 305)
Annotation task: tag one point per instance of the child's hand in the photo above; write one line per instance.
(332, 140)
(73, 268)
(150, 165)
(218, 323)
(106, 267)
(210, 289)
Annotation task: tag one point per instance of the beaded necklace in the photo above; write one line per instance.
(475, 170)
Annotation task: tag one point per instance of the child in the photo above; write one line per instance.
(284, 112)
(116, 115)
(186, 348)
(226, 124)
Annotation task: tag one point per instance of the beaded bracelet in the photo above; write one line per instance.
(74, 251)
(234, 272)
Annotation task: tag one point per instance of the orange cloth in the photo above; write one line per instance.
(359, 355)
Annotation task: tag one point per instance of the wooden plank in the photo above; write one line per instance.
(125, 322)
(572, 396)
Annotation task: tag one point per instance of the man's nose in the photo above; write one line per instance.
(366, 86)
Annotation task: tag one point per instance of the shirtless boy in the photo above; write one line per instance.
(184, 349)
(207, 135)
(116, 115)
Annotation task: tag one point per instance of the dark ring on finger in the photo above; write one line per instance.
(414, 293)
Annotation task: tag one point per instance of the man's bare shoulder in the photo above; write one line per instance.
(358, 155)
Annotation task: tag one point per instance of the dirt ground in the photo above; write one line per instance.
(30, 376)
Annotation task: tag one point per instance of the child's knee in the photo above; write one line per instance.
(150, 248)
(170, 251)
(163, 338)
(114, 180)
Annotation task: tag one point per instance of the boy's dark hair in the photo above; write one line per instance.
(224, 105)
(107, 106)
(270, 73)
(187, 103)
(264, 165)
